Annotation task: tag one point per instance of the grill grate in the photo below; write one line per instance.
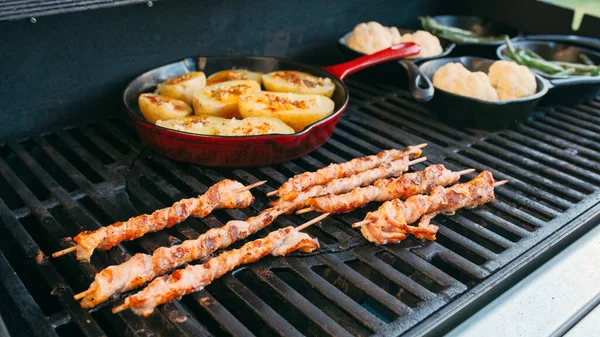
(57, 184)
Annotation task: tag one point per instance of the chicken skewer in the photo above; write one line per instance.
(322, 176)
(402, 187)
(194, 278)
(224, 194)
(295, 200)
(143, 268)
(391, 222)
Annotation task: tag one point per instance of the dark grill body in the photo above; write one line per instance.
(58, 180)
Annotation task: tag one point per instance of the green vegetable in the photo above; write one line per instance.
(576, 66)
(533, 54)
(453, 33)
(566, 72)
(585, 59)
(430, 23)
(532, 60)
(510, 50)
(542, 65)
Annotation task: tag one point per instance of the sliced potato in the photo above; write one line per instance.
(183, 86)
(255, 126)
(205, 125)
(233, 75)
(295, 110)
(155, 107)
(298, 82)
(211, 125)
(221, 99)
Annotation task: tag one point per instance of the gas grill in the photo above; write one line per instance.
(56, 182)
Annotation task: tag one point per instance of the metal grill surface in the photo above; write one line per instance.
(54, 185)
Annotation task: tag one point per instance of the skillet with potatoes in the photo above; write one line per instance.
(272, 122)
(231, 102)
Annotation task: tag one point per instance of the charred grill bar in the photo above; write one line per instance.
(59, 177)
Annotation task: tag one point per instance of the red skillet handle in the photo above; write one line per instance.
(394, 52)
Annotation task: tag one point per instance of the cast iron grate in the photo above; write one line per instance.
(54, 185)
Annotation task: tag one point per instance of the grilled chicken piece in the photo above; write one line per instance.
(296, 110)
(297, 200)
(402, 187)
(183, 86)
(322, 176)
(221, 99)
(193, 278)
(156, 107)
(391, 222)
(234, 75)
(221, 195)
(143, 268)
(298, 82)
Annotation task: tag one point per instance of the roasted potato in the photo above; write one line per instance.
(155, 107)
(233, 75)
(183, 86)
(211, 125)
(255, 126)
(205, 125)
(221, 99)
(298, 82)
(295, 110)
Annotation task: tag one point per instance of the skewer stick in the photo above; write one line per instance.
(272, 193)
(420, 146)
(120, 308)
(460, 173)
(125, 306)
(245, 188)
(305, 210)
(64, 251)
(416, 161)
(83, 294)
(360, 223)
(364, 222)
(313, 221)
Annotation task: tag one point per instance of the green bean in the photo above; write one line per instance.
(595, 72)
(545, 66)
(431, 23)
(453, 33)
(566, 72)
(576, 66)
(510, 50)
(533, 54)
(585, 59)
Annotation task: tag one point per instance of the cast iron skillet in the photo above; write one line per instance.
(469, 112)
(247, 150)
(419, 85)
(482, 27)
(563, 90)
